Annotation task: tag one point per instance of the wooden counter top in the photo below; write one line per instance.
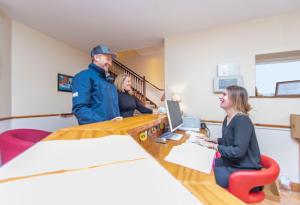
(202, 185)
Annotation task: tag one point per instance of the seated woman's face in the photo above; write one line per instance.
(225, 101)
(127, 84)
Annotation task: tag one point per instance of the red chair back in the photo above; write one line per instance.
(14, 142)
(242, 182)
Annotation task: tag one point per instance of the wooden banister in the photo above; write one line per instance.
(126, 69)
(144, 88)
(134, 73)
(138, 83)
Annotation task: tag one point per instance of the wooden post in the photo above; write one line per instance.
(295, 126)
(144, 88)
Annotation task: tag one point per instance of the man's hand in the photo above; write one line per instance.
(117, 118)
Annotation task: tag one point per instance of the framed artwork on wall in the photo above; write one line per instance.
(64, 82)
(288, 88)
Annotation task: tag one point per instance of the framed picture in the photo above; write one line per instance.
(288, 88)
(64, 82)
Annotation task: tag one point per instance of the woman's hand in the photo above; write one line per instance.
(202, 136)
(211, 145)
(155, 111)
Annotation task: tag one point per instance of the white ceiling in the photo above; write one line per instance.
(130, 24)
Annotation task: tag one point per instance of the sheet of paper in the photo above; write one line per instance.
(192, 156)
(197, 140)
(47, 156)
(194, 138)
(175, 137)
(138, 182)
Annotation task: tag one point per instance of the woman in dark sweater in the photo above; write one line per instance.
(127, 102)
(238, 146)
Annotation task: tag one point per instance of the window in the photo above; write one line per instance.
(276, 67)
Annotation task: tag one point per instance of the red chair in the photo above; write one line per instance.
(242, 182)
(14, 142)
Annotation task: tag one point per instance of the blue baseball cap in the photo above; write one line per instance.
(101, 49)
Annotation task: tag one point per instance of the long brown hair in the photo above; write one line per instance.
(239, 96)
(119, 83)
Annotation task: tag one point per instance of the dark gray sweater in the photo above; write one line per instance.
(238, 145)
(128, 103)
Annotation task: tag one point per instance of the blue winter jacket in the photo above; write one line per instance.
(94, 98)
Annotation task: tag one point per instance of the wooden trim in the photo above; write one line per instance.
(35, 116)
(295, 187)
(212, 121)
(256, 124)
(273, 126)
(278, 57)
(5, 118)
(66, 115)
(71, 114)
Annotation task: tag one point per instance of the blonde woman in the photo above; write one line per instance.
(238, 146)
(127, 102)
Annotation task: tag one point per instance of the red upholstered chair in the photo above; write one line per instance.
(242, 182)
(14, 142)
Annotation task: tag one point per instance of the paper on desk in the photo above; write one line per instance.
(192, 156)
(175, 137)
(138, 182)
(194, 138)
(49, 156)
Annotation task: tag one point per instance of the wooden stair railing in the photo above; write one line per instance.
(138, 82)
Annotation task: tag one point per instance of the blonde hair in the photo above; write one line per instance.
(239, 96)
(119, 83)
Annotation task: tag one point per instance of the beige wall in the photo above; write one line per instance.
(191, 60)
(36, 60)
(5, 60)
(148, 62)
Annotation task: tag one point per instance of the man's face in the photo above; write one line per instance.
(103, 61)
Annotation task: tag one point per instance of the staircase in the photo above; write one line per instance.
(139, 84)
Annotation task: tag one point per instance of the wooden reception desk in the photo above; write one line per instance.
(144, 129)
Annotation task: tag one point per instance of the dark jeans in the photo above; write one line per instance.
(223, 171)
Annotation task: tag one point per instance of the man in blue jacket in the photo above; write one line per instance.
(95, 98)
